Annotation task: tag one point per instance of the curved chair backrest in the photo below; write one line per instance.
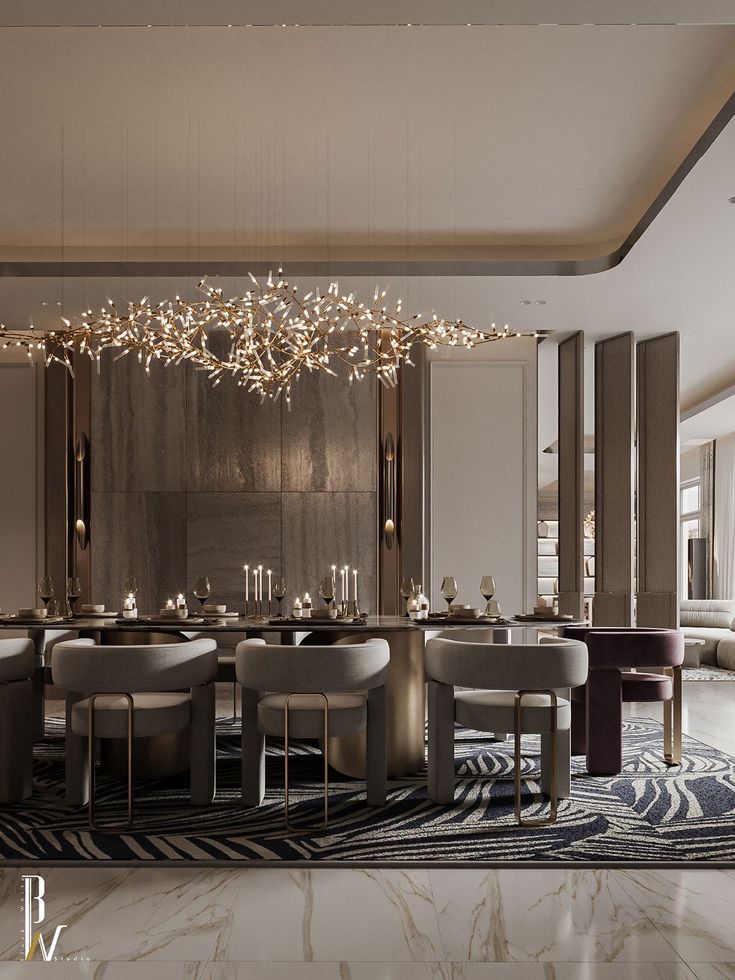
(80, 665)
(507, 666)
(641, 647)
(17, 659)
(468, 634)
(303, 670)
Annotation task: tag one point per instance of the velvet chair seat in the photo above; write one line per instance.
(597, 705)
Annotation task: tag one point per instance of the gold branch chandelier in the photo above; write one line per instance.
(274, 335)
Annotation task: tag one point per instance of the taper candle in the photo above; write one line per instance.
(347, 583)
(269, 573)
(247, 582)
(354, 582)
(342, 583)
(260, 583)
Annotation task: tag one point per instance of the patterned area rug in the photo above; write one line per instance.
(707, 674)
(649, 813)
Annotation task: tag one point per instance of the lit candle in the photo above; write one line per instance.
(170, 604)
(269, 573)
(334, 577)
(180, 601)
(347, 583)
(342, 583)
(260, 583)
(247, 582)
(354, 582)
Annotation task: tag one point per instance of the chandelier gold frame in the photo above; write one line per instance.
(274, 335)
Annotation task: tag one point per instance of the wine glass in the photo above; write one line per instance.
(449, 590)
(46, 589)
(487, 591)
(407, 589)
(326, 589)
(279, 591)
(131, 586)
(73, 591)
(202, 590)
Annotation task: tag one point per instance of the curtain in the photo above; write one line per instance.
(724, 536)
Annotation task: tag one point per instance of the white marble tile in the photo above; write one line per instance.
(169, 914)
(578, 971)
(693, 909)
(332, 914)
(100, 971)
(552, 915)
(714, 971)
(273, 971)
(334, 971)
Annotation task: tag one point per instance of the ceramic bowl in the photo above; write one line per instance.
(32, 613)
(466, 612)
(92, 607)
(214, 607)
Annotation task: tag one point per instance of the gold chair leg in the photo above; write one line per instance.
(517, 708)
(672, 720)
(325, 751)
(91, 760)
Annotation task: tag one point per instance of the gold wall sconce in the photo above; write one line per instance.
(389, 490)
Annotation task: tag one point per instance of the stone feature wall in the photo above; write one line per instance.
(188, 480)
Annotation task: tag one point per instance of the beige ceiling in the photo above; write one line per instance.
(185, 139)
(270, 137)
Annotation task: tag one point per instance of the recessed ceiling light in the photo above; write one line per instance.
(540, 302)
(525, 302)
(731, 200)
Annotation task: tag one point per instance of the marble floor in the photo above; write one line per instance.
(345, 924)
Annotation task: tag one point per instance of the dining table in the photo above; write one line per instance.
(405, 688)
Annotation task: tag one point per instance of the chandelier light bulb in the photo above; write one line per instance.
(274, 335)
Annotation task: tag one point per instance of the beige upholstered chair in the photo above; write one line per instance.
(17, 663)
(127, 692)
(511, 687)
(312, 692)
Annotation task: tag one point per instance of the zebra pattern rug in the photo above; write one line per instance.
(649, 813)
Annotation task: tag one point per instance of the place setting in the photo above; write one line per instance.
(333, 612)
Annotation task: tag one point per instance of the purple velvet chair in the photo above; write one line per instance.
(622, 665)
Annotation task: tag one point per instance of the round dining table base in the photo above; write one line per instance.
(405, 707)
(154, 756)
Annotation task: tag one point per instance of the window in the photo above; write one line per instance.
(690, 526)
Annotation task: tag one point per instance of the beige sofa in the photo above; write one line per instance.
(711, 620)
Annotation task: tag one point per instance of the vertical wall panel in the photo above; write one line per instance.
(19, 484)
(412, 443)
(614, 395)
(657, 404)
(57, 429)
(483, 478)
(571, 475)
